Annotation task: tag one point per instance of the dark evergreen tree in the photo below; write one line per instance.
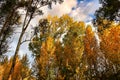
(109, 10)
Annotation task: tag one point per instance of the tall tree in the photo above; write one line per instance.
(73, 50)
(91, 54)
(33, 8)
(109, 46)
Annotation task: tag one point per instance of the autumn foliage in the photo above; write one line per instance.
(64, 49)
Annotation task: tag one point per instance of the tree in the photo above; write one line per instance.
(46, 61)
(32, 8)
(73, 50)
(52, 26)
(48, 28)
(60, 43)
(110, 48)
(91, 54)
(109, 11)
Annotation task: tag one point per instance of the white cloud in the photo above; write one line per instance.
(60, 9)
(57, 10)
(84, 10)
(81, 12)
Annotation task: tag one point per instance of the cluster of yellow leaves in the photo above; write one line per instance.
(89, 41)
(46, 54)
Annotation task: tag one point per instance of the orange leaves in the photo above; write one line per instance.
(1, 71)
(111, 39)
(18, 72)
(110, 43)
(89, 32)
(50, 45)
(89, 41)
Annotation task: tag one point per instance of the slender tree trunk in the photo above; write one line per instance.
(18, 47)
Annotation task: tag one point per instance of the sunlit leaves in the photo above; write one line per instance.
(49, 44)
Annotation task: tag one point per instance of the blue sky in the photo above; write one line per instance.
(80, 10)
(84, 1)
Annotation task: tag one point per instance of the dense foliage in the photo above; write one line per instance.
(62, 48)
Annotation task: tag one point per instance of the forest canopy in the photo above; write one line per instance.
(60, 47)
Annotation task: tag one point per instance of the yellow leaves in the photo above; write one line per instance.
(77, 70)
(82, 27)
(44, 55)
(26, 78)
(88, 29)
(105, 21)
(52, 19)
(49, 44)
(47, 56)
(89, 40)
(66, 18)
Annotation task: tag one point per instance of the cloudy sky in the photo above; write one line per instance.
(80, 10)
